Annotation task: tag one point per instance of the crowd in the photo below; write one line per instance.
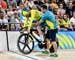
(11, 17)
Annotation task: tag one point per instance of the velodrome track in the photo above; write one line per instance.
(63, 55)
(14, 54)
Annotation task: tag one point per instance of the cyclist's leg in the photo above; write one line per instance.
(40, 33)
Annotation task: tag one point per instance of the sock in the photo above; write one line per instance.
(50, 46)
(42, 38)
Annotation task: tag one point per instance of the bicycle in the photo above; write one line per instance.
(28, 39)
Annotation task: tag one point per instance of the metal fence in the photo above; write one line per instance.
(10, 26)
(17, 26)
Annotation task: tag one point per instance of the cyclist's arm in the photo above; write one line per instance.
(25, 23)
(33, 17)
(31, 20)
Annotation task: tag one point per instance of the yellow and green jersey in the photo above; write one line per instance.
(35, 15)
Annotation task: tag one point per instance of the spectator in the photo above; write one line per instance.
(10, 14)
(46, 2)
(30, 3)
(18, 2)
(61, 11)
(58, 21)
(72, 20)
(51, 7)
(22, 18)
(66, 1)
(66, 24)
(3, 4)
(17, 20)
(25, 2)
(13, 4)
(38, 3)
(10, 11)
(55, 5)
(70, 9)
(1, 9)
(3, 21)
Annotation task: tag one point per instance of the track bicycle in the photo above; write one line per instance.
(26, 42)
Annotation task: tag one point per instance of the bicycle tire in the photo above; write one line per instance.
(22, 51)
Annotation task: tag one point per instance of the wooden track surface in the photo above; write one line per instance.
(63, 55)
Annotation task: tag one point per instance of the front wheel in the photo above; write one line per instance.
(25, 43)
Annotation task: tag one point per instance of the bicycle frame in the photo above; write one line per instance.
(34, 35)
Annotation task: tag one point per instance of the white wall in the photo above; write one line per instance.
(13, 37)
(3, 42)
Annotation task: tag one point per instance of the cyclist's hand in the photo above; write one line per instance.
(28, 31)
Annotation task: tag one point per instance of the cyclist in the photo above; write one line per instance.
(49, 19)
(32, 16)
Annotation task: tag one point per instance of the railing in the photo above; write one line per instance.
(12, 26)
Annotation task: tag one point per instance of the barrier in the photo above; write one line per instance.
(66, 40)
(3, 41)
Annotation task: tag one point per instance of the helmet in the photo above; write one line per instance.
(25, 11)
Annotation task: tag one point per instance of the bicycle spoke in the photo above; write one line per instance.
(25, 38)
(28, 47)
(21, 42)
(23, 47)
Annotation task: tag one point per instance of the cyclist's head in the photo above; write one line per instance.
(25, 12)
